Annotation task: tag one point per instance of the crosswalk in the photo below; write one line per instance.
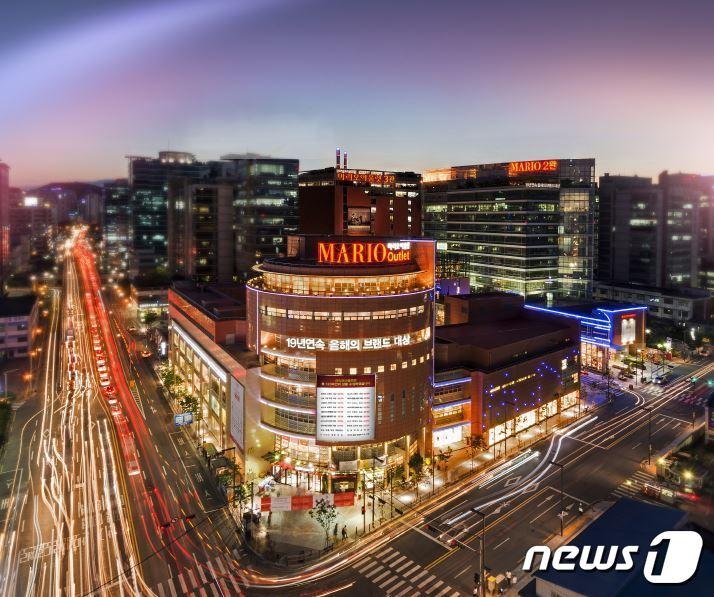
(215, 578)
(398, 576)
(632, 486)
(694, 400)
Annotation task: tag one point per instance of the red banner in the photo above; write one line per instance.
(305, 502)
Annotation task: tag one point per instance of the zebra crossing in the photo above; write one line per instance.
(397, 575)
(632, 486)
(693, 399)
(215, 578)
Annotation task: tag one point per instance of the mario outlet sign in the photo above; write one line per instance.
(363, 253)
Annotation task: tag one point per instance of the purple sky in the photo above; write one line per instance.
(401, 84)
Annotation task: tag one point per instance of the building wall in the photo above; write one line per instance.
(381, 330)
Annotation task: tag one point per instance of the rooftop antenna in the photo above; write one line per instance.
(344, 162)
(337, 158)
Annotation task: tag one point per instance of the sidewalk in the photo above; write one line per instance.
(294, 537)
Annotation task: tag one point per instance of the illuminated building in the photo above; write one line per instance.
(238, 215)
(501, 369)
(522, 227)
(654, 234)
(116, 224)
(207, 350)
(360, 202)
(201, 229)
(18, 319)
(4, 223)
(343, 327)
(607, 330)
(148, 179)
(30, 229)
(266, 207)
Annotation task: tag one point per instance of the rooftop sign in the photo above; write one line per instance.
(516, 168)
(366, 253)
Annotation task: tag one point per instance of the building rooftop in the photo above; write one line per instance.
(681, 292)
(590, 310)
(218, 302)
(627, 522)
(495, 334)
(17, 306)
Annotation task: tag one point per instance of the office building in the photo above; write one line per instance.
(521, 227)
(502, 370)
(148, 180)
(116, 224)
(653, 235)
(4, 224)
(201, 231)
(360, 202)
(266, 207)
(343, 328)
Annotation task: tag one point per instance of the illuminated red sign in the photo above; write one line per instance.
(379, 178)
(533, 166)
(629, 316)
(363, 253)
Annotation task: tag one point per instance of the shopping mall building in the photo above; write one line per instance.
(343, 327)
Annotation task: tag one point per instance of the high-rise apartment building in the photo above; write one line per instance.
(31, 228)
(360, 202)
(148, 180)
(522, 227)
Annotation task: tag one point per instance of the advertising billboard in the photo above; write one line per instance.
(345, 408)
(237, 410)
(358, 220)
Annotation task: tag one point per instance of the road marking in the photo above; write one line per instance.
(418, 576)
(436, 586)
(403, 566)
(362, 568)
(412, 571)
(390, 556)
(427, 581)
(395, 587)
(379, 568)
(404, 592)
(542, 513)
(381, 576)
(502, 542)
(396, 562)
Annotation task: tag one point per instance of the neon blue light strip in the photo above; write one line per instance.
(451, 382)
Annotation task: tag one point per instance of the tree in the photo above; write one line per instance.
(151, 318)
(241, 496)
(170, 379)
(325, 514)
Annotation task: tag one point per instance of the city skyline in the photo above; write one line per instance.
(418, 86)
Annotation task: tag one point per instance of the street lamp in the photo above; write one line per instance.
(482, 585)
(648, 409)
(562, 511)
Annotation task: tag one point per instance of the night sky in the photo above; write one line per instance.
(401, 84)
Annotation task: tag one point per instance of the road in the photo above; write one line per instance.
(602, 456)
(96, 492)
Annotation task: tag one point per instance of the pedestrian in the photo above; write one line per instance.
(334, 533)
(344, 533)
(270, 517)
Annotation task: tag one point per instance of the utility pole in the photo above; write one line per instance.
(374, 483)
(482, 583)
(648, 409)
(562, 511)
(505, 426)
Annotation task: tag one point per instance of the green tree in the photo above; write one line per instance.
(170, 379)
(325, 514)
(151, 319)
(241, 496)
